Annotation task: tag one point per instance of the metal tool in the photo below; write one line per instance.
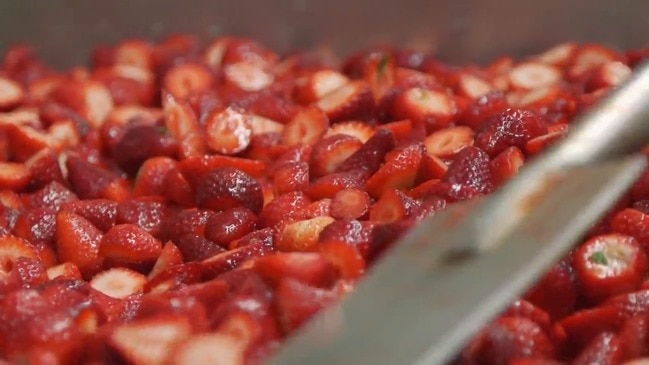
(453, 273)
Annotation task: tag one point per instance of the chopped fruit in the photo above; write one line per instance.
(556, 292)
(370, 155)
(150, 341)
(447, 142)
(140, 143)
(291, 176)
(90, 181)
(359, 130)
(472, 86)
(307, 267)
(230, 225)
(226, 188)
(608, 75)
(345, 258)
(187, 79)
(506, 165)
(634, 223)
(351, 101)
(118, 282)
(540, 143)
(77, 241)
(318, 84)
(533, 75)
(470, 169)
(559, 55)
(328, 186)
(297, 302)
(433, 109)
(303, 235)
(329, 153)
(11, 249)
(248, 75)
(350, 203)
(610, 264)
(11, 94)
(606, 348)
(392, 207)
(228, 131)
(128, 243)
(510, 128)
(305, 127)
(398, 172)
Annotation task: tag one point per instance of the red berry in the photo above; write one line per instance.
(230, 225)
(139, 143)
(470, 168)
(127, 243)
(227, 187)
(512, 127)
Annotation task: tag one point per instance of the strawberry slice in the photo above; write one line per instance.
(392, 207)
(77, 241)
(359, 130)
(45, 168)
(541, 143)
(512, 127)
(327, 186)
(583, 326)
(196, 248)
(25, 141)
(65, 270)
(307, 267)
(11, 249)
(118, 282)
(556, 292)
(431, 108)
(610, 264)
(128, 243)
(634, 223)
(187, 79)
(182, 124)
(330, 152)
(302, 235)
(306, 127)
(606, 348)
(447, 142)
(14, 176)
(149, 341)
(228, 131)
(230, 225)
(150, 179)
(90, 181)
(470, 169)
(634, 337)
(360, 234)
(297, 303)
(351, 101)
(194, 169)
(250, 75)
(226, 187)
(102, 213)
(37, 226)
(345, 258)
(533, 75)
(506, 165)
(291, 176)
(398, 172)
(284, 209)
(226, 261)
(316, 85)
(11, 94)
(483, 108)
(430, 167)
(370, 155)
(472, 86)
(401, 129)
(350, 203)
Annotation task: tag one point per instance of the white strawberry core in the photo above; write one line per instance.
(430, 102)
(534, 75)
(249, 75)
(10, 92)
(616, 250)
(325, 81)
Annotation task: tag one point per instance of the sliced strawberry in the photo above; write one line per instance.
(149, 341)
(291, 176)
(228, 131)
(351, 101)
(11, 249)
(140, 143)
(472, 86)
(227, 187)
(182, 123)
(510, 128)
(611, 264)
(297, 302)
(128, 243)
(77, 241)
(447, 142)
(190, 220)
(523, 308)
(401, 129)
(226, 261)
(90, 181)
(44, 167)
(583, 326)
(24, 141)
(540, 143)
(433, 109)
(589, 57)
(319, 208)
(284, 209)
(11, 94)
(305, 127)
(482, 108)
(230, 225)
(430, 167)
(359, 130)
(90, 99)
(506, 165)
(533, 75)
(174, 277)
(307, 267)
(264, 236)
(559, 55)
(194, 169)
(302, 235)
(250, 75)
(37, 226)
(196, 248)
(634, 337)
(608, 75)
(316, 85)
(261, 125)
(556, 292)
(150, 179)
(360, 234)
(14, 176)
(328, 186)
(345, 258)
(147, 213)
(352, 203)
(329, 153)
(118, 282)
(102, 213)
(393, 206)
(398, 172)
(187, 79)
(370, 155)
(606, 348)
(52, 195)
(64, 270)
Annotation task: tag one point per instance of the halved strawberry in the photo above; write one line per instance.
(307, 267)
(64, 270)
(149, 341)
(11, 93)
(196, 248)
(262, 125)
(291, 176)
(25, 141)
(609, 74)
(118, 282)
(401, 129)
(353, 232)
(227, 187)
(370, 155)
(187, 79)
(36, 226)
(556, 291)
(540, 143)
(328, 186)
(559, 55)
(359, 130)
(248, 76)
(634, 223)
(284, 209)
(330, 152)
(147, 213)
(398, 172)
(194, 169)
(433, 109)
(319, 208)
(134, 52)
(590, 56)
(90, 99)
(265, 236)
(316, 85)
(128, 243)
(634, 337)
(351, 203)
(77, 241)
(11, 249)
(611, 264)
(228, 131)
(90, 181)
(305, 127)
(472, 86)
(150, 178)
(102, 213)
(52, 195)
(226, 261)
(344, 257)
(297, 302)
(140, 143)
(447, 142)
(606, 348)
(182, 123)
(351, 101)
(506, 165)
(512, 127)
(533, 75)
(393, 206)
(14, 176)
(302, 235)
(45, 168)
(230, 225)
(483, 108)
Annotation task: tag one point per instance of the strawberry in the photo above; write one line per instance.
(512, 127)
(36, 226)
(316, 85)
(182, 124)
(483, 108)
(296, 153)
(230, 225)
(305, 127)
(174, 277)
(556, 292)
(328, 186)
(194, 169)
(128, 243)
(359, 130)
(606, 348)
(633, 337)
(141, 142)
(65, 270)
(261, 125)
(226, 261)
(146, 213)
(330, 152)
(640, 189)
(345, 258)
(319, 208)
(102, 213)
(151, 340)
(611, 264)
(185, 221)
(430, 167)
(506, 165)
(540, 143)
(24, 141)
(228, 131)
(90, 181)
(187, 79)
(522, 308)
(118, 282)
(508, 339)
(248, 76)
(588, 57)
(392, 207)
(227, 187)
(447, 142)
(90, 99)
(44, 168)
(11, 94)
(433, 109)
(370, 155)
(52, 195)
(296, 303)
(351, 101)
(470, 169)
(307, 267)
(559, 55)
(302, 235)
(11, 249)
(533, 75)
(642, 206)
(150, 178)
(583, 326)
(472, 86)
(353, 232)
(291, 176)
(350, 203)
(77, 241)
(127, 84)
(398, 172)
(284, 209)
(401, 129)
(196, 248)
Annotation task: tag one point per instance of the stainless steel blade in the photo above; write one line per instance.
(421, 305)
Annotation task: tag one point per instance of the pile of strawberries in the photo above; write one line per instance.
(175, 203)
